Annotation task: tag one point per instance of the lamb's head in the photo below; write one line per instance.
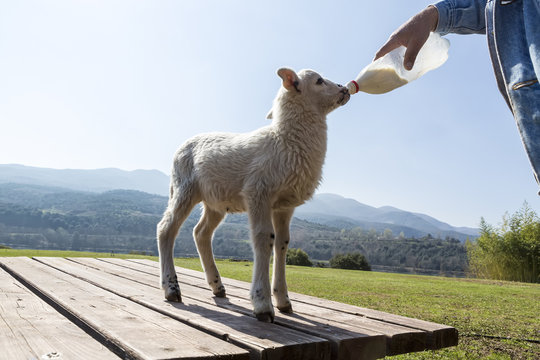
(312, 90)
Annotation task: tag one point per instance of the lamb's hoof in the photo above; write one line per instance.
(173, 295)
(287, 309)
(220, 293)
(267, 317)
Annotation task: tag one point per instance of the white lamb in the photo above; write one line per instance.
(266, 173)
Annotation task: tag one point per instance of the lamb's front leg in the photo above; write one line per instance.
(262, 235)
(281, 220)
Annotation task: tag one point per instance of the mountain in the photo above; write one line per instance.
(41, 217)
(337, 211)
(326, 209)
(100, 180)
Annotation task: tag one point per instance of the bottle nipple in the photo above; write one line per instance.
(353, 87)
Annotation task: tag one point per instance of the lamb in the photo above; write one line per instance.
(266, 173)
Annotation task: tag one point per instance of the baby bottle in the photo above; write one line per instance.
(387, 73)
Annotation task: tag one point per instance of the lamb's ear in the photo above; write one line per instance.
(290, 79)
(269, 115)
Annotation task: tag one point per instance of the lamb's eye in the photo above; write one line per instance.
(320, 81)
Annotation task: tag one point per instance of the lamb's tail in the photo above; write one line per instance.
(182, 171)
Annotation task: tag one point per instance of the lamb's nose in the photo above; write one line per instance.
(339, 85)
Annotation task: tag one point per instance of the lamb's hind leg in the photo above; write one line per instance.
(180, 205)
(202, 233)
(281, 220)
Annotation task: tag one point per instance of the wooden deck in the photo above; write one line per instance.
(81, 308)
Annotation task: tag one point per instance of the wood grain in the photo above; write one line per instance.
(132, 330)
(32, 329)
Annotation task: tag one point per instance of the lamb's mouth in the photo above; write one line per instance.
(344, 99)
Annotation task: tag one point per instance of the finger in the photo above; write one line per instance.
(413, 48)
(386, 48)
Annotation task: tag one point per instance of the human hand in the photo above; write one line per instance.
(412, 34)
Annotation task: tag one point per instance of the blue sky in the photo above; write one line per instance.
(95, 84)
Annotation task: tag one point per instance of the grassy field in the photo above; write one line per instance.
(495, 319)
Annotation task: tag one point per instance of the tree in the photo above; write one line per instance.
(298, 257)
(352, 261)
(509, 253)
(388, 234)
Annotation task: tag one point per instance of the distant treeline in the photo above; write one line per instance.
(125, 221)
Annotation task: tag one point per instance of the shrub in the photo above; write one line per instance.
(351, 261)
(509, 253)
(298, 257)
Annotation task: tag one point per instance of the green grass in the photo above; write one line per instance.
(474, 307)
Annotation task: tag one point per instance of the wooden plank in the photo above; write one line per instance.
(132, 330)
(399, 339)
(438, 336)
(265, 341)
(347, 339)
(31, 329)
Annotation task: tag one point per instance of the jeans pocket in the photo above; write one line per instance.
(523, 84)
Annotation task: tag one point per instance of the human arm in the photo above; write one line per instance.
(461, 17)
